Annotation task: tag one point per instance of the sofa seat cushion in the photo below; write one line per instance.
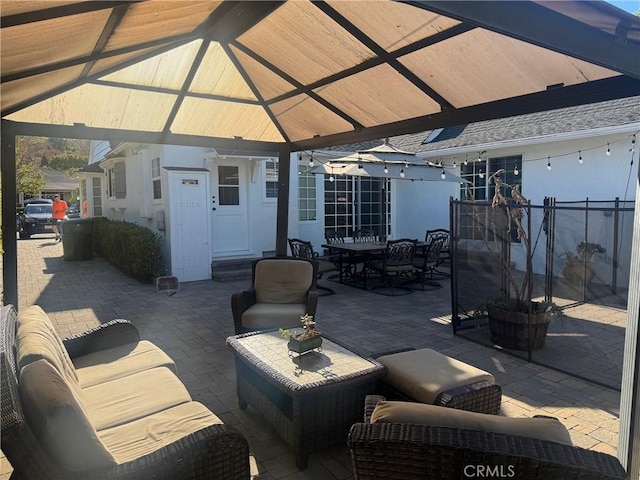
(269, 315)
(37, 339)
(146, 435)
(59, 421)
(424, 374)
(548, 429)
(132, 397)
(118, 362)
(283, 281)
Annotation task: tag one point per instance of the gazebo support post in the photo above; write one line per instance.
(629, 439)
(284, 180)
(9, 190)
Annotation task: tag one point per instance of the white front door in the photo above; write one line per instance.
(190, 225)
(230, 221)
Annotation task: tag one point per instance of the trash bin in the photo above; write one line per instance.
(77, 239)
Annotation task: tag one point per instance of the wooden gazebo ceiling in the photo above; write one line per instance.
(309, 74)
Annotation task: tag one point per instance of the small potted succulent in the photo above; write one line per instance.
(307, 340)
(577, 266)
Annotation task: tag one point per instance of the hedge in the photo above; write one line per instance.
(135, 250)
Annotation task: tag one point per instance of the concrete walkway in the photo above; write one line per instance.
(192, 325)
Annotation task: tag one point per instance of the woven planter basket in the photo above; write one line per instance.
(509, 329)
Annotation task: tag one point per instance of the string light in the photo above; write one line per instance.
(481, 174)
(311, 161)
(386, 169)
(633, 144)
(608, 152)
(454, 162)
(466, 159)
(402, 173)
(331, 178)
(443, 175)
(516, 172)
(580, 160)
(548, 163)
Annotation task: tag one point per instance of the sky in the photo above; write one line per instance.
(631, 6)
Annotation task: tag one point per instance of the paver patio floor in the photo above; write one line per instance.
(192, 325)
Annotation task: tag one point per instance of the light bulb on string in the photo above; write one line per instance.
(443, 175)
(454, 162)
(580, 160)
(311, 161)
(548, 163)
(516, 172)
(608, 152)
(331, 177)
(481, 174)
(466, 159)
(633, 144)
(386, 169)
(402, 173)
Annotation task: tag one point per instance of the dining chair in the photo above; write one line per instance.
(304, 249)
(445, 254)
(396, 264)
(426, 262)
(364, 236)
(347, 264)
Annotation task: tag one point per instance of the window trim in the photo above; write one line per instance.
(269, 179)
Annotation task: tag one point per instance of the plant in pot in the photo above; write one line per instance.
(578, 269)
(307, 340)
(515, 320)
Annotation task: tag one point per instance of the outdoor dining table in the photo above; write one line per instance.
(368, 250)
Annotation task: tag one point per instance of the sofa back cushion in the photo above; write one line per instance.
(548, 429)
(282, 280)
(37, 339)
(59, 421)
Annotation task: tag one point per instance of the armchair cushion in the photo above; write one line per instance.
(548, 429)
(284, 281)
(59, 421)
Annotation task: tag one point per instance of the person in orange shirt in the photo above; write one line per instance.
(58, 212)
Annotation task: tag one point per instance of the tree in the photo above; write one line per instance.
(29, 178)
(68, 163)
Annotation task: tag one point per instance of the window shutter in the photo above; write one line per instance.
(120, 187)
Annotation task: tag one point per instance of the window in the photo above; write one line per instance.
(97, 197)
(306, 194)
(117, 181)
(271, 179)
(354, 203)
(228, 185)
(479, 189)
(155, 178)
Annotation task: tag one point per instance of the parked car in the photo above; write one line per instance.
(73, 211)
(36, 218)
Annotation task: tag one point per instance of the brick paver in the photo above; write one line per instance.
(193, 324)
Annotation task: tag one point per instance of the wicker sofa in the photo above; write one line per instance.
(385, 449)
(104, 404)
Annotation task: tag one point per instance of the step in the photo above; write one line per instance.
(231, 275)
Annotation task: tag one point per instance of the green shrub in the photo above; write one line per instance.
(135, 250)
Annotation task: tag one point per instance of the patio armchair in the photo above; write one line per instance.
(426, 263)
(412, 441)
(304, 250)
(396, 264)
(282, 290)
(445, 254)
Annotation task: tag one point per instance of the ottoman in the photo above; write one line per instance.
(427, 376)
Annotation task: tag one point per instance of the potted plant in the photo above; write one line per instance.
(307, 340)
(577, 266)
(515, 320)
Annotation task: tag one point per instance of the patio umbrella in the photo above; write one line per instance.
(386, 162)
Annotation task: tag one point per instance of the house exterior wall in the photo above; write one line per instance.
(598, 178)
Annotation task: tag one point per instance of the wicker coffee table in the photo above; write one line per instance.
(312, 400)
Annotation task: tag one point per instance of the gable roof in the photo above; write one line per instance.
(620, 112)
(57, 181)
